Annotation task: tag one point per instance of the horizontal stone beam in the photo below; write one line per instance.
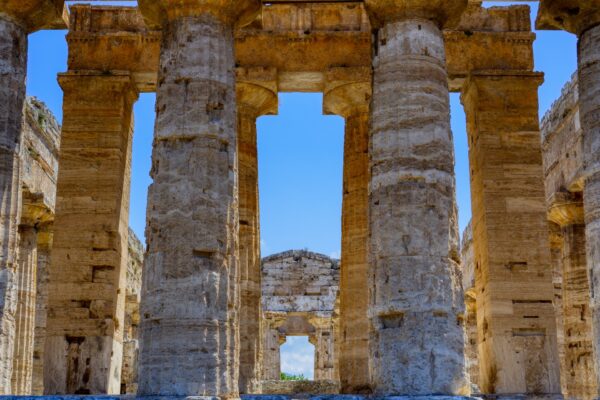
(302, 41)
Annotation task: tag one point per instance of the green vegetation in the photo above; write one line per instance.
(291, 377)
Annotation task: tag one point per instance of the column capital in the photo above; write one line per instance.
(158, 12)
(566, 208)
(443, 12)
(575, 16)
(108, 84)
(256, 91)
(35, 15)
(35, 210)
(347, 91)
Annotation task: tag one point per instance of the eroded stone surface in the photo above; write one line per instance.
(514, 282)
(415, 289)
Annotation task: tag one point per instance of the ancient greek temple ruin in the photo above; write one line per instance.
(511, 312)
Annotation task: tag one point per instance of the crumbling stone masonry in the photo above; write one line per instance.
(135, 260)
(300, 291)
(562, 137)
(387, 68)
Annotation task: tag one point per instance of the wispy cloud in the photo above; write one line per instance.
(298, 357)
(335, 254)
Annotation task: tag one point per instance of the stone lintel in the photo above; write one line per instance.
(502, 75)
(158, 12)
(35, 15)
(443, 12)
(257, 91)
(566, 208)
(347, 91)
(117, 39)
(573, 16)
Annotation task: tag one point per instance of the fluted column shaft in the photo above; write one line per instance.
(589, 108)
(272, 353)
(44, 246)
(25, 315)
(253, 101)
(514, 289)
(582, 17)
(416, 296)
(190, 294)
(13, 67)
(348, 94)
(86, 303)
(580, 375)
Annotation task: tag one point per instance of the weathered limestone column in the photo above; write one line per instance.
(348, 94)
(190, 296)
(323, 340)
(84, 337)
(272, 350)
(582, 17)
(513, 282)
(17, 19)
(25, 315)
(566, 210)
(417, 346)
(44, 246)
(256, 96)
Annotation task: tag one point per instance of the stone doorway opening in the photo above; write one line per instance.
(297, 359)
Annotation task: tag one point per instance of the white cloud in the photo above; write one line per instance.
(336, 255)
(298, 357)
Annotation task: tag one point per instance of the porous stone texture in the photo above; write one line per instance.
(39, 170)
(256, 96)
(514, 282)
(470, 320)
(582, 17)
(589, 104)
(13, 65)
(300, 291)
(306, 388)
(348, 94)
(416, 346)
(135, 261)
(191, 281)
(86, 302)
(563, 164)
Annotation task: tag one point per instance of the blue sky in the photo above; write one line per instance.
(300, 155)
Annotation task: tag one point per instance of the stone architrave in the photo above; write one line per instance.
(190, 298)
(348, 94)
(582, 17)
(86, 291)
(18, 18)
(417, 346)
(514, 290)
(256, 96)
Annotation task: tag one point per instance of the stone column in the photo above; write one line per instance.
(84, 338)
(513, 279)
(582, 17)
(190, 297)
(566, 210)
(323, 340)
(16, 21)
(417, 346)
(273, 340)
(256, 96)
(348, 94)
(25, 315)
(44, 246)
